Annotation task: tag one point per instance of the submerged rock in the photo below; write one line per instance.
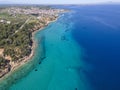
(75, 88)
(66, 30)
(36, 70)
(40, 62)
(43, 58)
(63, 38)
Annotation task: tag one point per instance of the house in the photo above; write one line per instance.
(2, 21)
(8, 22)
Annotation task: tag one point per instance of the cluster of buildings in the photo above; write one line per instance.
(34, 10)
(43, 14)
(5, 21)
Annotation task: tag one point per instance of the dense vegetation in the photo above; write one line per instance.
(16, 34)
(15, 41)
(3, 62)
(17, 44)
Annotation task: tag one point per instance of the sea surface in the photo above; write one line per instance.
(79, 51)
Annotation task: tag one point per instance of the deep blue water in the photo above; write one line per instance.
(81, 50)
(97, 30)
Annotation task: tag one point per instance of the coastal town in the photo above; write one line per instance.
(17, 27)
(35, 11)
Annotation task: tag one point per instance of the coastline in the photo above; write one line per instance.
(26, 59)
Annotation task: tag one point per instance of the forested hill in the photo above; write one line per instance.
(16, 27)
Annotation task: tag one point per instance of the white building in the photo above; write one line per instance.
(2, 21)
(8, 22)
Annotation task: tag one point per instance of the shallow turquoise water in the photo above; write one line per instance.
(59, 69)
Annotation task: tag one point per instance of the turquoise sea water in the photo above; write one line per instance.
(80, 51)
(61, 60)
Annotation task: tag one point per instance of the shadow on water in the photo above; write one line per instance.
(43, 54)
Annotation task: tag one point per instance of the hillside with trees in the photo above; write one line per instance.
(16, 28)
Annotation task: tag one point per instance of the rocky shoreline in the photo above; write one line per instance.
(10, 67)
(5, 71)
